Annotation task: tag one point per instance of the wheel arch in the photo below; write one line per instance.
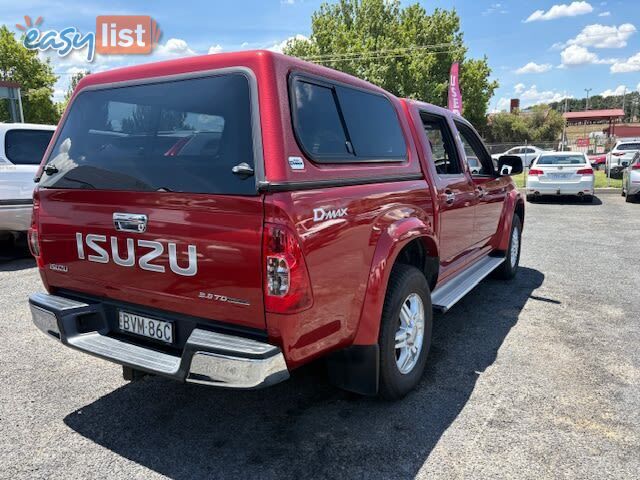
(409, 241)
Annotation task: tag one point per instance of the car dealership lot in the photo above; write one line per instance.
(536, 378)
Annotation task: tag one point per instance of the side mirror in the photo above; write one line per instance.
(625, 163)
(510, 165)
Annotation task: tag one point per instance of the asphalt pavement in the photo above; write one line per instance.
(534, 378)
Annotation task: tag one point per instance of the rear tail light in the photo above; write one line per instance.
(617, 154)
(535, 172)
(585, 171)
(635, 167)
(34, 237)
(287, 286)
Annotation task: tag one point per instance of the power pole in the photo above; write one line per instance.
(624, 102)
(586, 108)
(564, 128)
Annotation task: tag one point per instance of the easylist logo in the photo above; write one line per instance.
(126, 34)
(114, 35)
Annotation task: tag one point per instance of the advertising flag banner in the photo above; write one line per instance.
(455, 97)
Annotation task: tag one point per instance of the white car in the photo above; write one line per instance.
(561, 173)
(631, 179)
(622, 152)
(22, 146)
(527, 153)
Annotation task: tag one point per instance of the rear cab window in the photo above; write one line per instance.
(169, 136)
(334, 123)
(26, 147)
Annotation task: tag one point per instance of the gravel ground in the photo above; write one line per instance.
(536, 378)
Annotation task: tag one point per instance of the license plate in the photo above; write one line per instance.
(558, 176)
(145, 327)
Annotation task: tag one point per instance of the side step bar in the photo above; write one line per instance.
(447, 295)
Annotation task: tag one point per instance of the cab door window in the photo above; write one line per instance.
(443, 150)
(477, 156)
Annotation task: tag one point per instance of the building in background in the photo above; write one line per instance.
(10, 95)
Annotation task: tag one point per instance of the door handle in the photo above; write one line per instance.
(449, 196)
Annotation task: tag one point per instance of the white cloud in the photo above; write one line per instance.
(576, 55)
(603, 36)
(215, 48)
(495, 8)
(632, 64)
(279, 47)
(559, 11)
(288, 2)
(533, 67)
(532, 96)
(174, 47)
(604, 14)
(528, 97)
(638, 87)
(502, 105)
(620, 90)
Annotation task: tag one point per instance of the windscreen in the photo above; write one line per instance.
(561, 160)
(177, 136)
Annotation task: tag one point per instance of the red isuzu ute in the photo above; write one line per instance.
(227, 218)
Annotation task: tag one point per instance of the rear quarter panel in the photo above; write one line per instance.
(347, 258)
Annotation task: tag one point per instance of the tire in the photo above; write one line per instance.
(531, 198)
(407, 285)
(628, 198)
(509, 267)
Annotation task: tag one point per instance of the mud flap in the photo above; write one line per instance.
(355, 369)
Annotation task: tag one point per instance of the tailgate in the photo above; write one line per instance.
(203, 253)
(149, 197)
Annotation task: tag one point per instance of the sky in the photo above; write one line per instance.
(539, 50)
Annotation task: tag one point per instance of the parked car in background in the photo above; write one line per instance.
(474, 165)
(561, 173)
(598, 161)
(622, 152)
(527, 153)
(22, 146)
(631, 179)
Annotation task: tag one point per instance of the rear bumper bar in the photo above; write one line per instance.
(208, 358)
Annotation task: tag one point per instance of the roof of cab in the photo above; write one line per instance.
(256, 60)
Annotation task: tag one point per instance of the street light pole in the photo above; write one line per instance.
(586, 108)
(564, 128)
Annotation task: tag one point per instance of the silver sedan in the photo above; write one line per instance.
(631, 179)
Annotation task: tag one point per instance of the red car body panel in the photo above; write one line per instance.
(227, 233)
(349, 259)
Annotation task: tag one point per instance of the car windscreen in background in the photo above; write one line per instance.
(177, 136)
(26, 147)
(561, 160)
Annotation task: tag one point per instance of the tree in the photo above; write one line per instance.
(403, 50)
(36, 78)
(540, 124)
